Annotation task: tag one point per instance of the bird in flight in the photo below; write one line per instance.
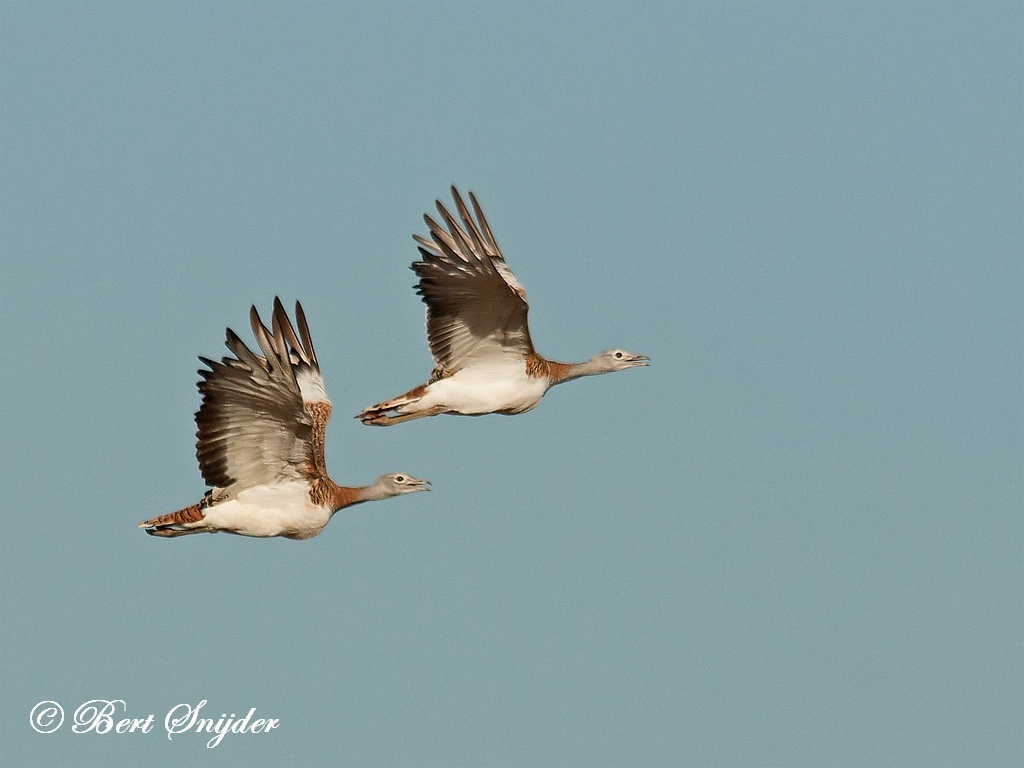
(477, 329)
(261, 442)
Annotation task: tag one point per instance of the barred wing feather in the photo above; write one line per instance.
(476, 308)
(254, 428)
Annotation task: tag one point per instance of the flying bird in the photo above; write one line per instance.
(261, 442)
(477, 329)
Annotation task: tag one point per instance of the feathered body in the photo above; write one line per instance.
(260, 445)
(477, 329)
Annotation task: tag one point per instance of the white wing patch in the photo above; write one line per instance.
(311, 385)
(510, 278)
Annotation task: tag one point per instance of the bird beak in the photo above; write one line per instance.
(420, 485)
(640, 360)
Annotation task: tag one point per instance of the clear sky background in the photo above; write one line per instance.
(795, 539)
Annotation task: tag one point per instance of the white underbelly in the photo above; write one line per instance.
(480, 390)
(284, 509)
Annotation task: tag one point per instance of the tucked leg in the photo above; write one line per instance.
(383, 420)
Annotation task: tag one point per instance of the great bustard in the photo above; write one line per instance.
(477, 328)
(261, 442)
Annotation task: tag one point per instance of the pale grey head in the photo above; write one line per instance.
(618, 360)
(399, 483)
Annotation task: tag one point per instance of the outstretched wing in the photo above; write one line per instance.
(254, 425)
(476, 309)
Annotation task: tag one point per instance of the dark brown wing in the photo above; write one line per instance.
(254, 428)
(476, 309)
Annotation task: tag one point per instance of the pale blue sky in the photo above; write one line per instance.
(796, 539)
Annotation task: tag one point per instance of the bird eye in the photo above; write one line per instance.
(618, 355)
(400, 479)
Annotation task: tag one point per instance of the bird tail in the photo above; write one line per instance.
(173, 524)
(378, 415)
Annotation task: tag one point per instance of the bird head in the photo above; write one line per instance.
(398, 483)
(618, 360)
